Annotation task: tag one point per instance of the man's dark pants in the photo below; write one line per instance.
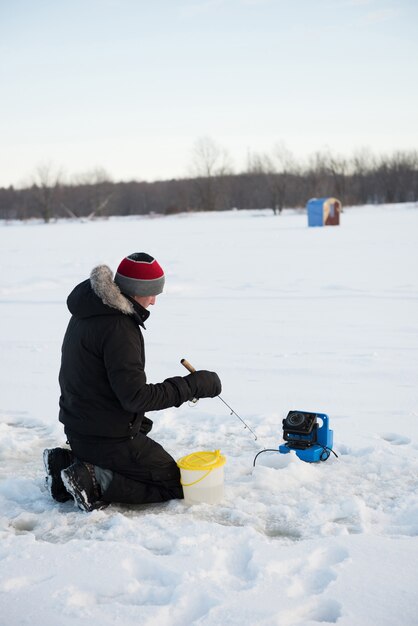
(143, 471)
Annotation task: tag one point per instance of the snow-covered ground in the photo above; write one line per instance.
(291, 317)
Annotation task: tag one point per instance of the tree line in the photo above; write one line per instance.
(276, 181)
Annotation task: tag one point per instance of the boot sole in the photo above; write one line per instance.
(45, 457)
(53, 481)
(74, 490)
(71, 485)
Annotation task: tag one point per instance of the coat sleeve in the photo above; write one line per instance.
(124, 362)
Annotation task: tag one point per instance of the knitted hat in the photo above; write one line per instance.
(139, 274)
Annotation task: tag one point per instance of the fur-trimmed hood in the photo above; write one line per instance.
(103, 285)
(100, 295)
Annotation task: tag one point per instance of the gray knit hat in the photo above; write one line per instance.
(139, 274)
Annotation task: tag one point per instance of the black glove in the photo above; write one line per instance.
(204, 384)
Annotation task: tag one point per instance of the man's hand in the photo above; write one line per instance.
(204, 384)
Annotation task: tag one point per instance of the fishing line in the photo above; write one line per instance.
(192, 370)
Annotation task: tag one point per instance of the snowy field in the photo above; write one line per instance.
(291, 317)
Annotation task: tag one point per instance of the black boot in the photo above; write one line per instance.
(55, 460)
(80, 481)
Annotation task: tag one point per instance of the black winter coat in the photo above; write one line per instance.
(104, 391)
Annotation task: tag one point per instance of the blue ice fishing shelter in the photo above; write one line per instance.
(323, 212)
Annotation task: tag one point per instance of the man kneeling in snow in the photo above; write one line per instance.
(104, 394)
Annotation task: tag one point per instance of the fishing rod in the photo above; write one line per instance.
(191, 369)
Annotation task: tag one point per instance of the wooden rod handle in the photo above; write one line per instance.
(187, 365)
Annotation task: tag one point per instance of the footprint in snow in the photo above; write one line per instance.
(316, 572)
(395, 439)
(326, 611)
(24, 523)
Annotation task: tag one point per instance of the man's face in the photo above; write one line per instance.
(145, 301)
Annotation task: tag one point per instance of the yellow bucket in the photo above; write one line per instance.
(202, 476)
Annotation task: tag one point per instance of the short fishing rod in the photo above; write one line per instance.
(191, 369)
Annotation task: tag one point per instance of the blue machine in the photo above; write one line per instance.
(311, 441)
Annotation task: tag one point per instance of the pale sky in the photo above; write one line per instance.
(131, 85)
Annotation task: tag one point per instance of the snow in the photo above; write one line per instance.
(291, 317)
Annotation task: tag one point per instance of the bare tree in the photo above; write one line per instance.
(45, 190)
(211, 166)
(95, 176)
(363, 165)
(275, 171)
(317, 174)
(396, 175)
(93, 191)
(338, 169)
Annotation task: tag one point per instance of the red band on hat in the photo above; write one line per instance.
(140, 270)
